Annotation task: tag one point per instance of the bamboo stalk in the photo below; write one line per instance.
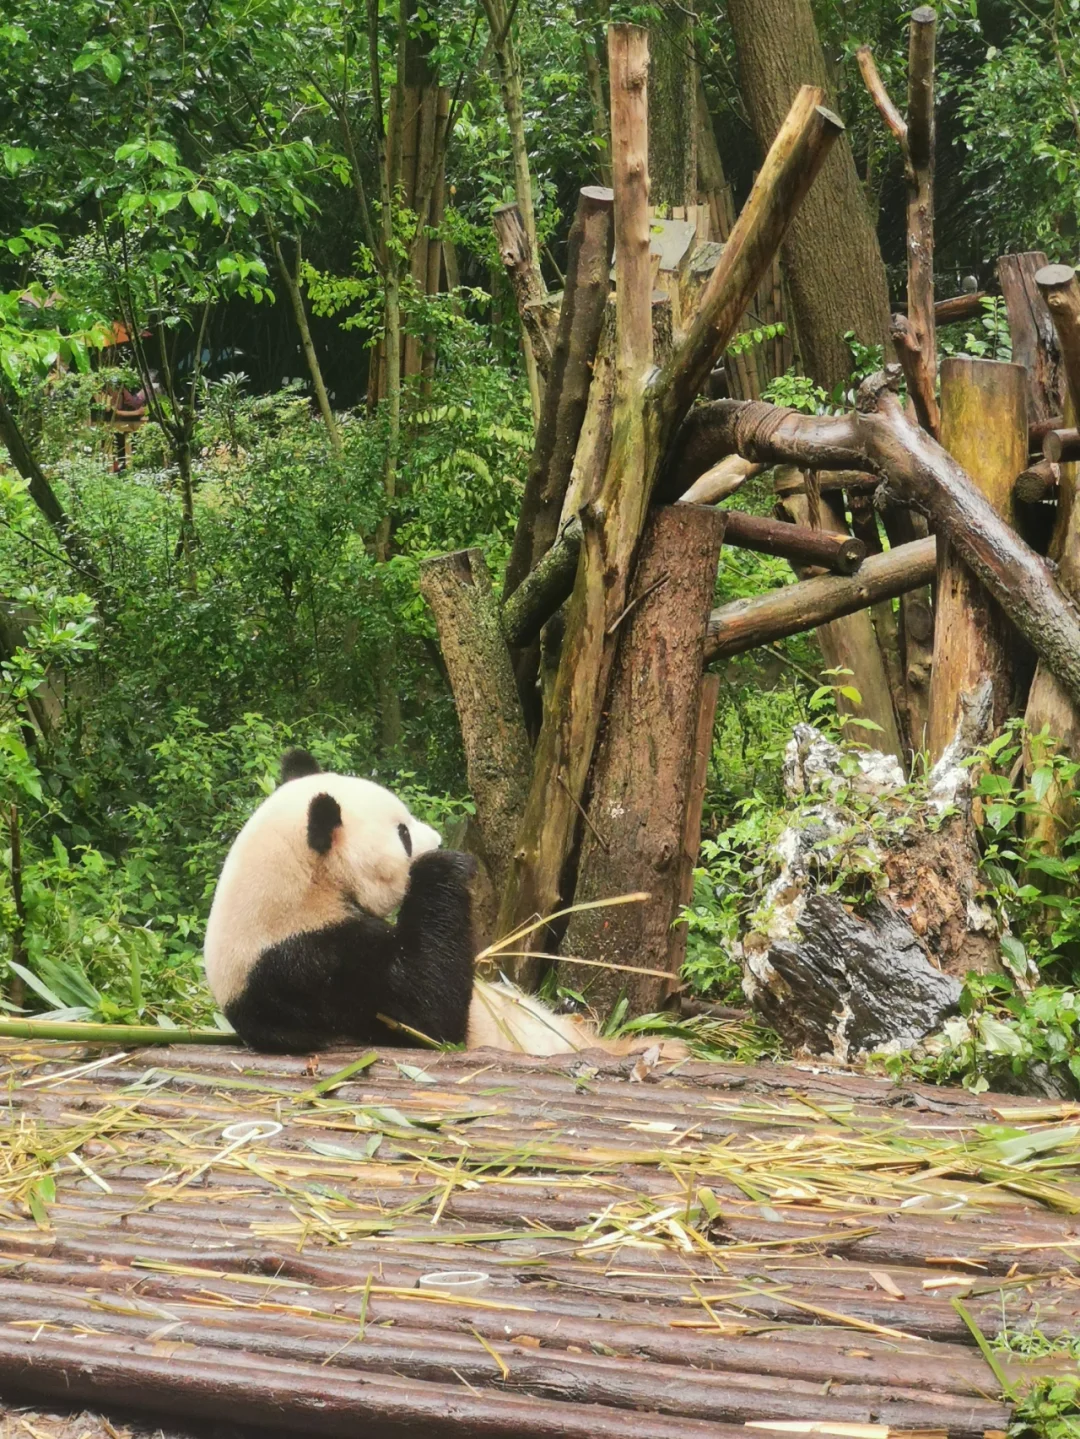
(126, 1034)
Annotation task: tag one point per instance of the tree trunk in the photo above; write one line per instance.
(182, 450)
(43, 494)
(1053, 720)
(672, 108)
(612, 526)
(834, 265)
(634, 832)
(984, 428)
(458, 589)
(500, 18)
(296, 303)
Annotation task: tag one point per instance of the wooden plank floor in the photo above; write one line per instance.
(486, 1244)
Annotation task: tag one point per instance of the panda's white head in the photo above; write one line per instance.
(316, 849)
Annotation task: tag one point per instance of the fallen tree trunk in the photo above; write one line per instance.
(879, 438)
(744, 624)
(841, 553)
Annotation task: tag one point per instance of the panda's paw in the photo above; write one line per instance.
(445, 864)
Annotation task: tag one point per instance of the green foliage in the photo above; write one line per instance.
(1050, 1411)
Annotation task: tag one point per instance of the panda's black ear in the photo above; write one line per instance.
(296, 763)
(323, 817)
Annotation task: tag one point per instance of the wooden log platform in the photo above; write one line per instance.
(475, 1243)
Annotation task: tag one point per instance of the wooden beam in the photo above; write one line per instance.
(745, 624)
(984, 428)
(959, 307)
(841, 553)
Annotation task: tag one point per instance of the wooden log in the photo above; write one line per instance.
(568, 376)
(1039, 429)
(886, 622)
(1060, 289)
(1034, 343)
(720, 481)
(526, 281)
(1061, 446)
(457, 588)
(744, 624)
(636, 817)
(879, 437)
(690, 853)
(790, 168)
(1036, 483)
(802, 545)
(984, 428)
(1053, 719)
(851, 644)
(594, 442)
(959, 307)
(642, 425)
(543, 590)
(914, 333)
(790, 480)
(611, 525)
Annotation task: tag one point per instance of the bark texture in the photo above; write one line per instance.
(672, 107)
(833, 263)
(458, 589)
(634, 836)
(984, 428)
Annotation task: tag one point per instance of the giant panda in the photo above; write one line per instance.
(299, 951)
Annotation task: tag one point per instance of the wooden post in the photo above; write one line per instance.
(914, 334)
(708, 695)
(1034, 343)
(458, 589)
(1050, 711)
(634, 835)
(984, 428)
(566, 392)
(744, 624)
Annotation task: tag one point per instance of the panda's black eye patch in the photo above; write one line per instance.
(406, 838)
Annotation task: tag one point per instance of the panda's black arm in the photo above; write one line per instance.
(429, 982)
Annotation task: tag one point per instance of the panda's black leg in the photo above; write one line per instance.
(429, 984)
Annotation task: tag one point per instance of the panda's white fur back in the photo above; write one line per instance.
(273, 885)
